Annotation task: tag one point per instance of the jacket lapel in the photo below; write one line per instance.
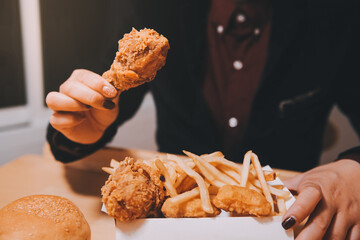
(288, 17)
(193, 16)
(193, 31)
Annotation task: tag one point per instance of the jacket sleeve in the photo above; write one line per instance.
(65, 150)
(353, 153)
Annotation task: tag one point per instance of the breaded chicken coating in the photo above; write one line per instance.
(191, 208)
(141, 54)
(242, 201)
(133, 191)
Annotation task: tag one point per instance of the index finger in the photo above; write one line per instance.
(95, 82)
(304, 205)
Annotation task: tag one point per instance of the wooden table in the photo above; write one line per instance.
(80, 182)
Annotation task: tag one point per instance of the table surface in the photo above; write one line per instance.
(80, 182)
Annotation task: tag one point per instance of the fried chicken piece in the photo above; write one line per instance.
(133, 191)
(243, 201)
(186, 185)
(191, 208)
(141, 54)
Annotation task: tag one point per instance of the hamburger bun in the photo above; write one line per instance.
(43, 217)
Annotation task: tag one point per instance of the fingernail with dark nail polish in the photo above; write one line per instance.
(288, 222)
(87, 106)
(108, 104)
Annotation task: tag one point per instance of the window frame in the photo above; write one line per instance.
(34, 111)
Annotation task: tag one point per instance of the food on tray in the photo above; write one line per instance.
(43, 217)
(141, 54)
(242, 201)
(192, 186)
(133, 190)
(190, 208)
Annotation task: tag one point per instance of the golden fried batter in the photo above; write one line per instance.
(141, 54)
(243, 201)
(133, 191)
(186, 185)
(191, 208)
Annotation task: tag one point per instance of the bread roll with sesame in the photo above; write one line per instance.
(43, 217)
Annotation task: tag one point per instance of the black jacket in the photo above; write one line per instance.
(312, 64)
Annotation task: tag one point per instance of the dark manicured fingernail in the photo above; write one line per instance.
(108, 104)
(87, 106)
(288, 223)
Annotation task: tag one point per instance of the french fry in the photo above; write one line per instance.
(214, 154)
(180, 178)
(168, 184)
(187, 184)
(281, 205)
(176, 166)
(253, 187)
(245, 170)
(204, 192)
(252, 170)
(222, 161)
(186, 196)
(260, 174)
(191, 164)
(273, 190)
(108, 170)
(172, 173)
(210, 168)
(270, 175)
(208, 175)
(231, 173)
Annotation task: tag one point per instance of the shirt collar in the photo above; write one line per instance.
(221, 12)
(257, 12)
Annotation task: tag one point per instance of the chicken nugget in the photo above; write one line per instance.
(242, 201)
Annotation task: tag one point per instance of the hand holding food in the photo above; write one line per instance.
(84, 107)
(328, 195)
(86, 103)
(197, 186)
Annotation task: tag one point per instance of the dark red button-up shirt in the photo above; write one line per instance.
(238, 35)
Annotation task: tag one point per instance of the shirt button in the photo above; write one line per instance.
(238, 65)
(257, 31)
(220, 29)
(233, 122)
(240, 18)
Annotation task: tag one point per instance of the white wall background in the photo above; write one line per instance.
(342, 136)
(22, 129)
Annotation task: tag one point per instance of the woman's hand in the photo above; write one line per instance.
(84, 107)
(330, 196)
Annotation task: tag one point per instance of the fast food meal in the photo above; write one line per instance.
(141, 54)
(192, 186)
(43, 217)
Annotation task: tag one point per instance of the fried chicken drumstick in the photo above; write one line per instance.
(141, 54)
